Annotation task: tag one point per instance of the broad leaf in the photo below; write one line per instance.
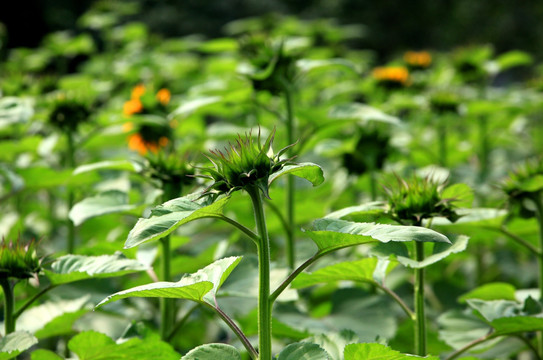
(190, 106)
(462, 195)
(70, 268)
(109, 165)
(42, 354)
(309, 171)
(308, 65)
(109, 202)
(53, 318)
(169, 216)
(491, 291)
(43, 177)
(200, 286)
(92, 345)
(359, 213)
(213, 352)
(360, 270)
(14, 110)
(332, 234)
(334, 343)
(376, 351)
(15, 343)
(513, 58)
(361, 112)
(303, 351)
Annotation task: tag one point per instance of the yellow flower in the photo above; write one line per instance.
(138, 91)
(132, 106)
(163, 95)
(418, 59)
(391, 74)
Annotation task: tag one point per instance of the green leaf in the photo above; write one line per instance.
(15, 343)
(43, 177)
(512, 59)
(308, 65)
(190, 106)
(376, 351)
(219, 45)
(213, 352)
(126, 165)
(92, 345)
(53, 318)
(441, 251)
(42, 354)
(457, 329)
(372, 210)
(303, 351)
(70, 268)
(462, 195)
(333, 343)
(332, 234)
(309, 171)
(169, 216)
(200, 286)
(491, 291)
(14, 110)
(472, 219)
(360, 270)
(108, 202)
(532, 184)
(361, 112)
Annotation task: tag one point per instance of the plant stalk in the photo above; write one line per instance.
(483, 148)
(9, 319)
(70, 157)
(232, 325)
(420, 323)
(539, 215)
(442, 141)
(264, 303)
(290, 246)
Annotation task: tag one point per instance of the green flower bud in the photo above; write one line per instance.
(17, 260)
(525, 183)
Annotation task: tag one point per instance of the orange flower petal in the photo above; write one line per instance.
(138, 91)
(164, 96)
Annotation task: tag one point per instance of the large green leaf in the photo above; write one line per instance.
(109, 202)
(359, 213)
(126, 165)
(473, 218)
(309, 171)
(169, 216)
(189, 106)
(303, 351)
(333, 234)
(513, 58)
(43, 177)
(308, 65)
(359, 270)
(70, 268)
(53, 318)
(92, 345)
(376, 351)
(361, 112)
(491, 291)
(333, 343)
(200, 286)
(15, 343)
(213, 352)
(42, 354)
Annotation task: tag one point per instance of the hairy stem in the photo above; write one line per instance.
(264, 303)
(420, 323)
(9, 319)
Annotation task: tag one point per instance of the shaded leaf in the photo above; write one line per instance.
(213, 352)
(109, 202)
(70, 268)
(169, 216)
(303, 351)
(200, 286)
(15, 343)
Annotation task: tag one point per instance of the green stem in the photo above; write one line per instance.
(539, 215)
(31, 300)
(483, 148)
(70, 157)
(290, 246)
(442, 141)
(264, 303)
(9, 319)
(396, 298)
(292, 276)
(420, 323)
(521, 241)
(166, 305)
(241, 336)
(472, 344)
(280, 216)
(181, 322)
(373, 185)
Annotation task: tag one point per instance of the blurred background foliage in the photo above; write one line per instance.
(391, 26)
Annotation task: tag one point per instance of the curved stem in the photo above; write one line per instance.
(241, 336)
(290, 246)
(236, 224)
(521, 241)
(474, 343)
(29, 302)
(396, 298)
(292, 276)
(420, 323)
(9, 319)
(264, 303)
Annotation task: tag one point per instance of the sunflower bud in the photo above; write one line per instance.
(68, 114)
(244, 164)
(525, 183)
(17, 260)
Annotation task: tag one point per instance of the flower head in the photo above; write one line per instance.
(245, 163)
(143, 102)
(171, 168)
(444, 102)
(417, 199)
(391, 76)
(69, 113)
(525, 183)
(148, 136)
(418, 59)
(17, 260)
(370, 152)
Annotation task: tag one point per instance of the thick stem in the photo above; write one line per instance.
(539, 214)
(420, 323)
(70, 157)
(290, 246)
(264, 303)
(9, 319)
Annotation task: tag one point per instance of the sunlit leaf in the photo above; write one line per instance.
(311, 172)
(126, 165)
(376, 351)
(42, 354)
(192, 105)
(490, 291)
(109, 202)
(303, 351)
(70, 268)
(15, 343)
(361, 112)
(14, 110)
(440, 252)
(200, 286)
(512, 59)
(461, 194)
(213, 352)
(169, 216)
(308, 65)
(333, 343)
